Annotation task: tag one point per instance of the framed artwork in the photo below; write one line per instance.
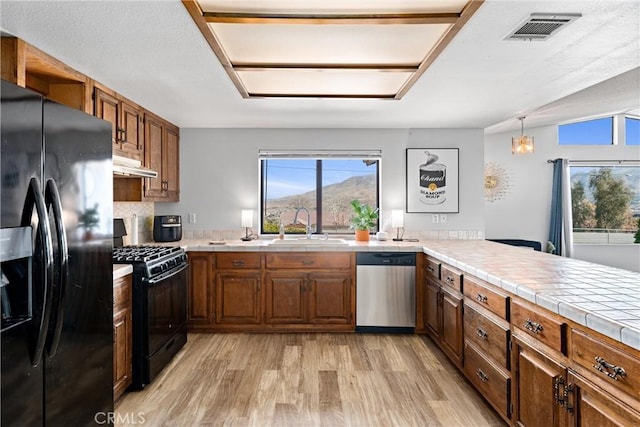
(432, 180)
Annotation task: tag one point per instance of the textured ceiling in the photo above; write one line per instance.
(153, 53)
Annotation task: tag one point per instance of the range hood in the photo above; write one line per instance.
(123, 166)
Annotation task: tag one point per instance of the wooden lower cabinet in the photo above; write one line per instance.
(234, 291)
(201, 313)
(317, 298)
(442, 313)
(452, 327)
(589, 405)
(238, 297)
(122, 336)
(538, 387)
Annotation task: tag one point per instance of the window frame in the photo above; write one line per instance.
(318, 156)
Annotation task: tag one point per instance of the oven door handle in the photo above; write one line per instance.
(167, 275)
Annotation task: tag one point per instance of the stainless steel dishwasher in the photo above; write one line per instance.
(385, 292)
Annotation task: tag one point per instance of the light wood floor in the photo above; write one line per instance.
(307, 380)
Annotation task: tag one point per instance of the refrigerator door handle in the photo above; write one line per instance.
(35, 199)
(52, 200)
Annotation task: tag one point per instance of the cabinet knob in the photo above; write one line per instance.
(482, 333)
(483, 377)
(481, 298)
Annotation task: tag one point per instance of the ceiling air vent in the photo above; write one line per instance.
(541, 26)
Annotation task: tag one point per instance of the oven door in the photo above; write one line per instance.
(166, 307)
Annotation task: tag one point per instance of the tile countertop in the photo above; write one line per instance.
(121, 270)
(602, 298)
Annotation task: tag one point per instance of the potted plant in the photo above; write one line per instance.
(364, 218)
(89, 219)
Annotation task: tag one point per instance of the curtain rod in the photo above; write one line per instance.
(599, 161)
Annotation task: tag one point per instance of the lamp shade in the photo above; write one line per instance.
(247, 218)
(397, 218)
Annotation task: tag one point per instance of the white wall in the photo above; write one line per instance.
(524, 213)
(219, 170)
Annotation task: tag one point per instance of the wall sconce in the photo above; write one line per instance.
(397, 221)
(247, 223)
(522, 144)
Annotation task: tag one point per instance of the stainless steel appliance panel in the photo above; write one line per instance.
(385, 292)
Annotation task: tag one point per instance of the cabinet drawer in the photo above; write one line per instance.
(496, 302)
(122, 292)
(492, 383)
(308, 260)
(451, 277)
(609, 363)
(486, 334)
(237, 260)
(432, 268)
(539, 325)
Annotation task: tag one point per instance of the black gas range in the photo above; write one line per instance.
(159, 306)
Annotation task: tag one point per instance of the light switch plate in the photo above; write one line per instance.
(192, 218)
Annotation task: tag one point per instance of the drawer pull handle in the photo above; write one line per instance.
(431, 269)
(482, 333)
(450, 279)
(481, 298)
(307, 262)
(609, 369)
(532, 326)
(238, 263)
(483, 377)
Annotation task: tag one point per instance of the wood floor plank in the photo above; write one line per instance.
(305, 380)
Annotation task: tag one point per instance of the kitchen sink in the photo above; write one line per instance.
(309, 242)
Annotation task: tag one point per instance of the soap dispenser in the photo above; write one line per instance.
(281, 233)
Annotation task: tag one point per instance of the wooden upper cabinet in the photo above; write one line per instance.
(29, 67)
(127, 126)
(161, 154)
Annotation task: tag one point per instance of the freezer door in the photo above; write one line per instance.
(20, 162)
(79, 362)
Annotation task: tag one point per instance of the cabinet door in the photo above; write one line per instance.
(238, 297)
(200, 290)
(285, 298)
(591, 406)
(132, 125)
(536, 379)
(121, 352)
(106, 108)
(452, 332)
(153, 136)
(432, 307)
(329, 297)
(171, 161)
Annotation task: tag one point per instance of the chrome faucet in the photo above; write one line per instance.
(295, 220)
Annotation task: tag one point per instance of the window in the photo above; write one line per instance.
(589, 132)
(605, 203)
(632, 130)
(323, 185)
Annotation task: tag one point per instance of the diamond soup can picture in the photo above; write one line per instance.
(433, 181)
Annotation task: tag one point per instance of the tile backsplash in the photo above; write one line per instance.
(144, 212)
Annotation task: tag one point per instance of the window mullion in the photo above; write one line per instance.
(318, 196)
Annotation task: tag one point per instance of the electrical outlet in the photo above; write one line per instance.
(443, 218)
(192, 218)
(435, 218)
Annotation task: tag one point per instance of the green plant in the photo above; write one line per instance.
(89, 218)
(636, 237)
(364, 217)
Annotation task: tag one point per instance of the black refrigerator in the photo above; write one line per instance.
(56, 241)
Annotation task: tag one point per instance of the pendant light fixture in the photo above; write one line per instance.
(522, 144)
